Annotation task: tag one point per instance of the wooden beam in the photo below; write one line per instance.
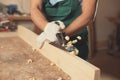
(74, 66)
(77, 68)
(27, 35)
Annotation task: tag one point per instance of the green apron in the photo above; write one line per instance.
(67, 11)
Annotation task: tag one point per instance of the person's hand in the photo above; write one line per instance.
(50, 31)
(40, 39)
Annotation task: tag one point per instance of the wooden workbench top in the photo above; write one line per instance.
(18, 18)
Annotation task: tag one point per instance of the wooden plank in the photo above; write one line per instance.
(27, 35)
(74, 66)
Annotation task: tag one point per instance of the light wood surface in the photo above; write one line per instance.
(19, 18)
(27, 35)
(74, 66)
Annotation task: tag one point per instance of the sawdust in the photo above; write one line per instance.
(18, 61)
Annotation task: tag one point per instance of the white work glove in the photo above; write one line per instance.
(40, 39)
(50, 31)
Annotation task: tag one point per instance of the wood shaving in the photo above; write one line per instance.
(67, 38)
(79, 37)
(69, 43)
(32, 78)
(52, 64)
(59, 78)
(34, 49)
(74, 41)
(29, 61)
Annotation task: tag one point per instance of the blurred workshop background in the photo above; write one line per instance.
(104, 32)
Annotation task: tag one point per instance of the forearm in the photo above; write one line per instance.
(38, 19)
(77, 25)
(88, 9)
(37, 16)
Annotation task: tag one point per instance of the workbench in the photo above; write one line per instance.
(75, 67)
(18, 18)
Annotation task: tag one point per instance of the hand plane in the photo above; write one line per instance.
(65, 44)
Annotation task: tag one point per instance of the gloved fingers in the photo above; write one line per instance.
(40, 39)
(51, 27)
(51, 38)
(61, 24)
